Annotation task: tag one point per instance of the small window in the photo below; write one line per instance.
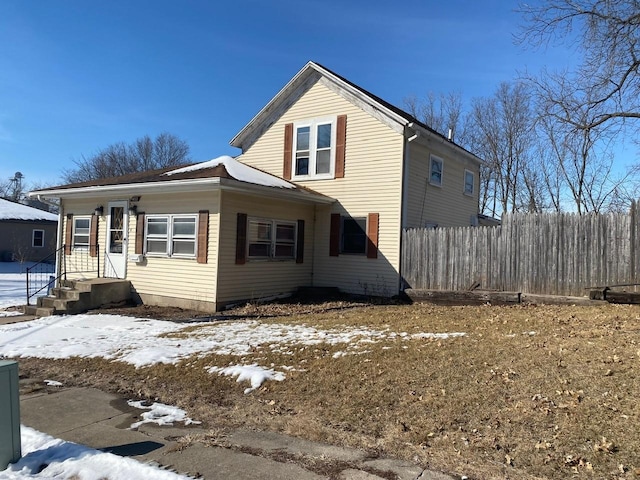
(314, 149)
(271, 239)
(354, 236)
(469, 181)
(435, 169)
(81, 228)
(171, 235)
(37, 239)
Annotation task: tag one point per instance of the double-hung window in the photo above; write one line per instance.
(171, 235)
(271, 239)
(81, 231)
(314, 149)
(37, 239)
(354, 236)
(435, 171)
(469, 182)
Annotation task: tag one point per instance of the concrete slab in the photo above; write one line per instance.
(213, 463)
(16, 319)
(67, 410)
(272, 442)
(403, 470)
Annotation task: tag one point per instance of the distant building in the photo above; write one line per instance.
(26, 234)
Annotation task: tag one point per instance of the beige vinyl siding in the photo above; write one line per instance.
(258, 279)
(445, 205)
(372, 184)
(181, 278)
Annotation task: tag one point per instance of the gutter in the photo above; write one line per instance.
(430, 135)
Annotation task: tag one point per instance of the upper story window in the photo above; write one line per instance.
(314, 149)
(81, 231)
(435, 171)
(469, 182)
(171, 235)
(37, 239)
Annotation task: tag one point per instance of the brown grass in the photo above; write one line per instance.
(529, 392)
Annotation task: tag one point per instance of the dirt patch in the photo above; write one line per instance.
(527, 392)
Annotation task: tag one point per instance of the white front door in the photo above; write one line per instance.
(115, 261)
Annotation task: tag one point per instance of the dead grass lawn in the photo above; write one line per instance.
(529, 392)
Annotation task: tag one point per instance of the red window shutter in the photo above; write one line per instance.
(203, 235)
(140, 233)
(334, 235)
(93, 236)
(341, 140)
(68, 238)
(372, 235)
(241, 239)
(300, 242)
(288, 151)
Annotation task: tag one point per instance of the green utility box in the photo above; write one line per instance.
(10, 450)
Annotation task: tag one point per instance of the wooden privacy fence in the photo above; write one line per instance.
(556, 254)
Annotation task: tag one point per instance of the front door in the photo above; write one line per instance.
(115, 262)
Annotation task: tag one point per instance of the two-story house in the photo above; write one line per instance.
(327, 178)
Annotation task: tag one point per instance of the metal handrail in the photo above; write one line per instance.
(64, 269)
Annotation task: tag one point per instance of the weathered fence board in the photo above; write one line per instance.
(554, 254)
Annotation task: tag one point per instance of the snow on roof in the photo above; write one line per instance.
(16, 211)
(239, 171)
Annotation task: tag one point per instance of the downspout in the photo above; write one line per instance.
(405, 192)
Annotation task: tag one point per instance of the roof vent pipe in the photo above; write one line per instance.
(450, 135)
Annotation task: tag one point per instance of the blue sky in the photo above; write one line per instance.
(79, 75)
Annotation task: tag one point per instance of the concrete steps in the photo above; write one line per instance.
(78, 296)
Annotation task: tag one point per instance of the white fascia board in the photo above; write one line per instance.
(190, 185)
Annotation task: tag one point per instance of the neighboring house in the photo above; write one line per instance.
(328, 176)
(26, 234)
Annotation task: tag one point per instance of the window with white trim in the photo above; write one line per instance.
(171, 235)
(314, 149)
(271, 239)
(469, 182)
(81, 231)
(37, 238)
(435, 171)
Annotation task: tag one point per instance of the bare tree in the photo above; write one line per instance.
(166, 150)
(441, 112)
(607, 33)
(499, 130)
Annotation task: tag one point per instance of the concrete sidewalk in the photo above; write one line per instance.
(101, 420)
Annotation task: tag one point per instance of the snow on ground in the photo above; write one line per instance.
(46, 457)
(144, 342)
(161, 414)
(13, 285)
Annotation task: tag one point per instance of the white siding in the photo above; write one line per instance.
(372, 184)
(258, 279)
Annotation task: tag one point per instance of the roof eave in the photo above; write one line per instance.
(189, 185)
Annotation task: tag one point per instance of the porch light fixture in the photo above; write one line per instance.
(98, 211)
(133, 209)
(135, 198)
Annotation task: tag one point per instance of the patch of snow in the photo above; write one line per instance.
(16, 211)
(46, 457)
(239, 171)
(161, 414)
(52, 383)
(9, 313)
(13, 283)
(254, 373)
(145, 342)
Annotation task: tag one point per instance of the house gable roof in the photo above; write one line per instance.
(312, 72)
(223, 171)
